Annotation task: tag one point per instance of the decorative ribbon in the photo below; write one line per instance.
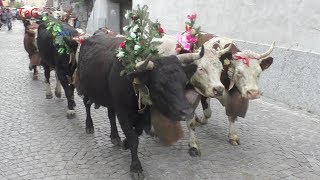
(245, 60)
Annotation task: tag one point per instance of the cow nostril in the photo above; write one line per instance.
(218, 91)
(253, 93)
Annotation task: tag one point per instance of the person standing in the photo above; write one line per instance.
(9, 17)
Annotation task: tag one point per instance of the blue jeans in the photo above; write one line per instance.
(9, 24)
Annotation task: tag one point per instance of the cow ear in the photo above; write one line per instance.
(190, 69)
(265, 63)
(71, 43)
(226, 58)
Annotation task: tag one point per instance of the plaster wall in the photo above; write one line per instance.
(294, 77)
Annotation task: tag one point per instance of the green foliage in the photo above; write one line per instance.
(56, 30)
(139, 34)
(17, 4)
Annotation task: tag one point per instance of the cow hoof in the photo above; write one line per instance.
(117, 141)
(35, 77)
(152, 133)
(58, 94)
(234, 140)
(49, 96)
(89, 130)
(137, 175)
(73, 103)
(202, 120)
(71, 114)
(96, 106)
(125, 144)
(194, 152)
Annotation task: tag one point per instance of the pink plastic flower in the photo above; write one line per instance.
(182, 39)
(190, 38)
(192, 17)
(122, 45)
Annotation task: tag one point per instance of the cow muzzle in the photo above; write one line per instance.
(218, 91)
(253, 94)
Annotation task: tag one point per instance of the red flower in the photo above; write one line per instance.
(192, 17)
(81, 40)
(134, 17)
(161, 30)
(187, 28)
(122, 45)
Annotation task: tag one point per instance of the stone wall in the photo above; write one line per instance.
(80, 8)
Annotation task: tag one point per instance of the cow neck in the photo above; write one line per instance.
(142, 92)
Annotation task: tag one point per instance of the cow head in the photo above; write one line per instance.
(167, 79)
(206, 80)
(244, 71)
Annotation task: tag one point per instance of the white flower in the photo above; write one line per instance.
(136, 47)
(125, 28)
(135, 28)
(127, 15)
(133, 35)
(120, 54)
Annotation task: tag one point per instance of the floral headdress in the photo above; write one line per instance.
(187, 41)
(139, 34)
(55, 28)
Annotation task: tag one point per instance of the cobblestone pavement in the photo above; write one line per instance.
(37, 141)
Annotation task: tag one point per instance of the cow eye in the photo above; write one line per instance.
(239, 74)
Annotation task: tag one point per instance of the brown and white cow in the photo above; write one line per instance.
(30, 45)
(206, 80)
(240, 79)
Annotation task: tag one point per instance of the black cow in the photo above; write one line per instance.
(100, 82)
(64, 64)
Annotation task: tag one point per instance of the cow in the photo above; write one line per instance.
(63, 64)
(240, 79)
(30, 45)
(100, 82)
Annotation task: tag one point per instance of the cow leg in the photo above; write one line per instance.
(233, 136)
(72, 87)
(193, 146)
(114, 136)
(205, 102)
(48, 87)
(35, 72)
(57, 91)
(68, 91)
(89, 123)
(133, 142)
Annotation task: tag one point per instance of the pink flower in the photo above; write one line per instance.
(192, 17)
(187, 27)
(122, 45)
(190, 38)
(161, 30)
(182, 39)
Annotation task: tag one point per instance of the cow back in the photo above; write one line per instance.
(96, 58)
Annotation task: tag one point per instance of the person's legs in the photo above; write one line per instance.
(10, 24)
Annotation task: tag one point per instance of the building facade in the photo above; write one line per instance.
(35, 3)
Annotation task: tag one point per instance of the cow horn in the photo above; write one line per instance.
(231, 85)
(190, 57)
(225, 50)
(146, 64)
(263, 55)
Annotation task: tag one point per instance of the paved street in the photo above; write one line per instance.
(37, 141)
